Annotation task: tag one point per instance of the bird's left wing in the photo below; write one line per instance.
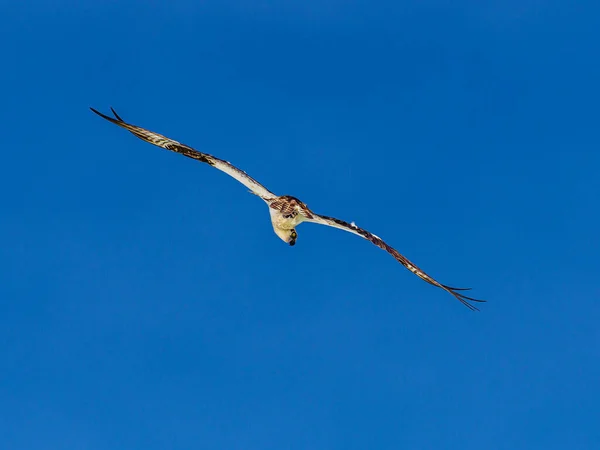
(352, 228)
(174, 146)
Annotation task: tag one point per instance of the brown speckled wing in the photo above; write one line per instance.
(174, 146)
(350, 227)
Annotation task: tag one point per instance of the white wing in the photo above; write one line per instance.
(352, 228)
(174, 146)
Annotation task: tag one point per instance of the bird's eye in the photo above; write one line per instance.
(294, 235)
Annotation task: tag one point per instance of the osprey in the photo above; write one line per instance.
(286, 212)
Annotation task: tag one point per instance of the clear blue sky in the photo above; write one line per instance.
(145, 302)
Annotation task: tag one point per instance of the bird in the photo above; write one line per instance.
(286, 212)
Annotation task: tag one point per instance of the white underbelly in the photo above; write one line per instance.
(284, 223)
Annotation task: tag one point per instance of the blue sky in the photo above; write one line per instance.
(145, 302)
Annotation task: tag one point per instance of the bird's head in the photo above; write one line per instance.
(287, 236)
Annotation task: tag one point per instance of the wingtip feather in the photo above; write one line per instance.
(104, 116)
(465, 301)
(116, 115)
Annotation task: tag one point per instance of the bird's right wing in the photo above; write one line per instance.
(352, 228)
(174, 146)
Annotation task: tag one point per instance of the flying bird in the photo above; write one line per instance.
(286, 212)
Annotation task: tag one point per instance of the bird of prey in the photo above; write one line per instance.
(286, 212)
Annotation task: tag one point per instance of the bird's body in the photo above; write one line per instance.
(286, 212)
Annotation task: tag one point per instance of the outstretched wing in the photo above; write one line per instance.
(352, 228)
(174, 146)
